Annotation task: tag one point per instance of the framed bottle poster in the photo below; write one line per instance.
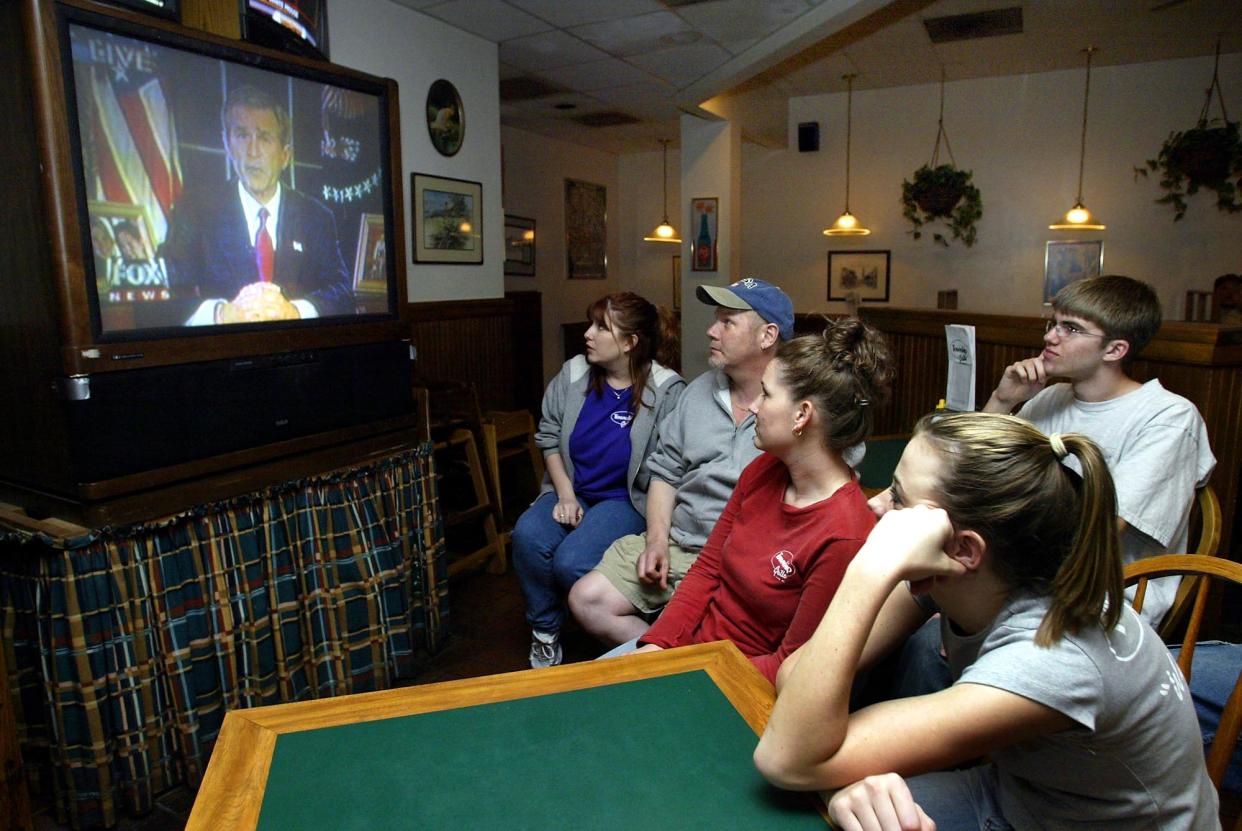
(703, 226)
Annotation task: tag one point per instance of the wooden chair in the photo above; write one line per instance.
(1207, 519)
(1204, 569)
(508, 434)
(456, 447)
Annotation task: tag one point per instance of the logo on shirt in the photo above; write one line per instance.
(622, 419)
(783, 565)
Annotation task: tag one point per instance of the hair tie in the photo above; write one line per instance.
(862, 402)
(1058, 446)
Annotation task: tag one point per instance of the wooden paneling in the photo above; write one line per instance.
(495, 344)
(1201, 361)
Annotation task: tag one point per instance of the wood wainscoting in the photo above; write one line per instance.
(1201, 361)
(497, 344)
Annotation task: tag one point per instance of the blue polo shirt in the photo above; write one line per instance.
(599, 446)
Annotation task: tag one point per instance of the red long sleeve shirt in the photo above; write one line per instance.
(768, 571)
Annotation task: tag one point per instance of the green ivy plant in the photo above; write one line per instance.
(942, 193)
(1207, 156)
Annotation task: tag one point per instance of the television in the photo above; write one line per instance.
(297, 26)
(206, 269)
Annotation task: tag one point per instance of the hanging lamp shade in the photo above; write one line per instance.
(1078, 218)
(664, 232)
(847, 225)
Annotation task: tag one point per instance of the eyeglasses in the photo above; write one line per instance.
(1069, 330)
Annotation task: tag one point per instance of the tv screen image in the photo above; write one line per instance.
(222, 194)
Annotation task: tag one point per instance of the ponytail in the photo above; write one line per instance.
(1091, 575)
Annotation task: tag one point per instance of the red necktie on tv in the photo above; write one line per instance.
(264, 253)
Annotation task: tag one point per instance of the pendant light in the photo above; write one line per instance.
(1078, 218)
(847, 224)
(664, 232)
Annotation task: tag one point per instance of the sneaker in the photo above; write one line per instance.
(545, 649)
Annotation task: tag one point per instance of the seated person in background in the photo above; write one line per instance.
(797, 516)
(600, 415)
(1080, 709)
(1227, 300)
(254, 249)
(1154, 441)
(703, 446)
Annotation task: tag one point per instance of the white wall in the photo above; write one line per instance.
(385, 39)
(1020, 136)
(535, 171)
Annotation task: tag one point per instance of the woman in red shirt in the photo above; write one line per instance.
(797, 515)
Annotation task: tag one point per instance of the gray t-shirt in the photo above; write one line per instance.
(1156, 446)
(1134, 760)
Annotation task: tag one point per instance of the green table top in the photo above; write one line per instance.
(666, 752)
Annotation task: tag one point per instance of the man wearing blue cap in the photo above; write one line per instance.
(704, 444)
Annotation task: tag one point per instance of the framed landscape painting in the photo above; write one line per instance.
(448, 220)
(859, 275)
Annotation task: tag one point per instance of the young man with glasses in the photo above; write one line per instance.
(1155, 441)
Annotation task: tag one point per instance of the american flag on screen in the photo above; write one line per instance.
(128, 132)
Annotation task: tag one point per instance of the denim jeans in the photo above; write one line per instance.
(960, 800)
(921, 669)
(1214, 672)
(550, 557)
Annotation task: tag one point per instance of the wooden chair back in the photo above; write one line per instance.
(1206, 517)
(1205, 569)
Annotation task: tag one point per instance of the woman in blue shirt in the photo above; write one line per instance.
(599, 421)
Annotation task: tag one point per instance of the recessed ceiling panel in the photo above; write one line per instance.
(548, 50)
(494, 20)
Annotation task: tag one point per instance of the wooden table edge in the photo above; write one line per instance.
(231, 795)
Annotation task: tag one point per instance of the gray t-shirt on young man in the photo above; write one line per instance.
(1134, 759)
(1156, 446)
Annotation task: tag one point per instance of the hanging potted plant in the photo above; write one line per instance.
(1208, 156)
(942, 193)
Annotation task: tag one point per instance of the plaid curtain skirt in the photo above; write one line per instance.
(126, 647)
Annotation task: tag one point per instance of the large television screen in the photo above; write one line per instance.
(221, 191)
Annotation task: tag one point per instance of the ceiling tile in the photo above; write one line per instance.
(635, 35)
(683, 65)
(610, 72)
(727, 20)
(494, 20)
(578, 12)
(548, 50)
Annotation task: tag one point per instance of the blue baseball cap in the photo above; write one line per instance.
(759, 296)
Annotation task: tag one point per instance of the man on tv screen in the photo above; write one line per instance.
(255, 249)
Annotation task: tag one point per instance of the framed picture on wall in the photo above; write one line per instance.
(446, 119)
(519, 246)
(859, 276)
(586, 231)
(448, 220)
(1066, 261)
(703, 227)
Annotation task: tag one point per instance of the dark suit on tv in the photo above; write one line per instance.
(209, 252)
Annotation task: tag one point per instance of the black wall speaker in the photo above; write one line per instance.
(808, 137)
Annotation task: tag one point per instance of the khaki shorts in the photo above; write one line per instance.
(620, 563)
